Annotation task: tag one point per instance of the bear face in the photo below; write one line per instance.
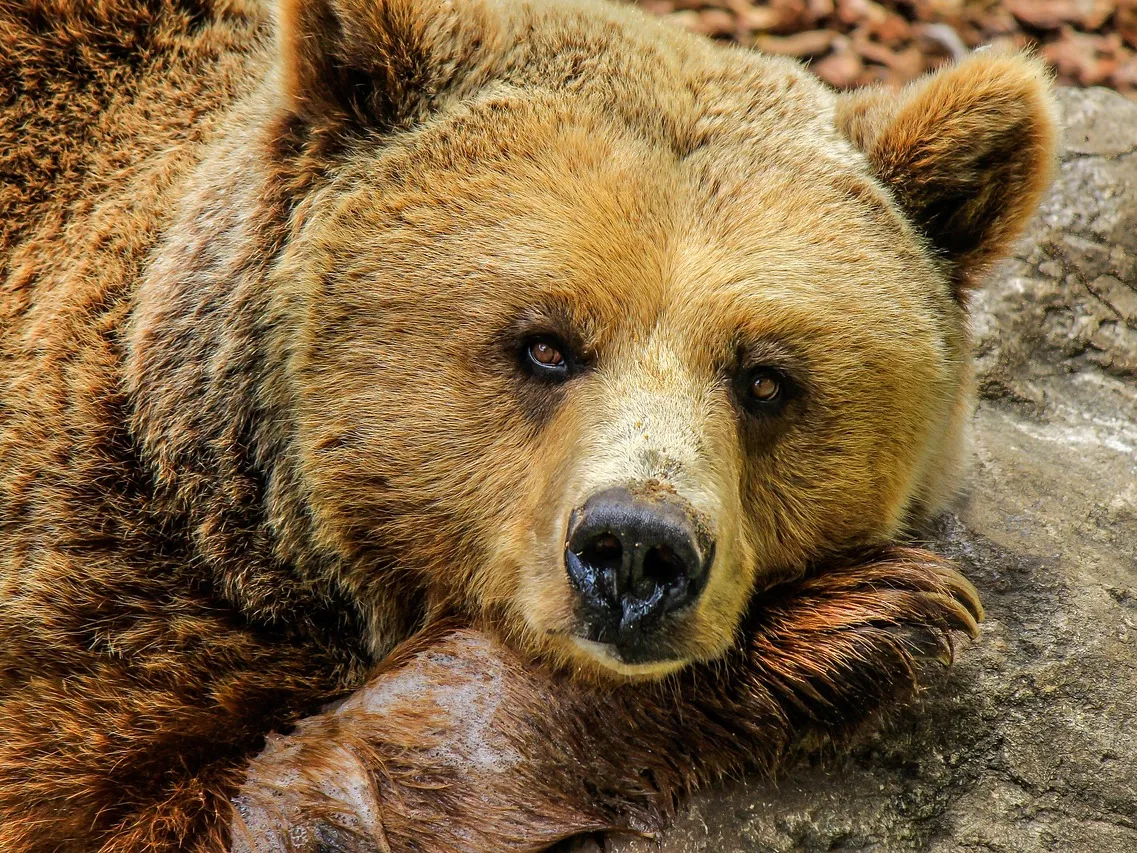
(595, 328)
(668, 294)
(629, 342)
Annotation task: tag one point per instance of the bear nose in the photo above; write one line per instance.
(633, 560)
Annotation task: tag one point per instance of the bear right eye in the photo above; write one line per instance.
(545, 358)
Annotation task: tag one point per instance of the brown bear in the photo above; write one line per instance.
(459, 424)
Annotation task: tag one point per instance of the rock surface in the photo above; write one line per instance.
(1030, 742)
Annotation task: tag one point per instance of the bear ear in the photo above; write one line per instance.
(967, 153)
(373, 64)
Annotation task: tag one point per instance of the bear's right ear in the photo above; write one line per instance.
(967, 153)
(374, 64)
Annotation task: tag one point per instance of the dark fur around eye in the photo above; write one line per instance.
(542, 365)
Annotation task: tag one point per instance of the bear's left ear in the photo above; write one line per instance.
(967, 153)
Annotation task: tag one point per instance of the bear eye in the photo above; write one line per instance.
(545, 357)
(765, 387)
(765, 390)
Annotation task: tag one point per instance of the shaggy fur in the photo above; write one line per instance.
(264, 286)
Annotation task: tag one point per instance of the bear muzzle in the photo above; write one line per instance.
(637, 560)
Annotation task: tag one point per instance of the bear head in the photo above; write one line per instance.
(598, 327)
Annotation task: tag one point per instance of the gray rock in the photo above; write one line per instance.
(1030, 742)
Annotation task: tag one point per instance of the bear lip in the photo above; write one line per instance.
(612, 658)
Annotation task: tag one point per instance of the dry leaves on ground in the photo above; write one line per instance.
(856, 42)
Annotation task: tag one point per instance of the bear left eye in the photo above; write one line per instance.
(545, 357)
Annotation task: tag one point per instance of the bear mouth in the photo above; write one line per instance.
(632, 659)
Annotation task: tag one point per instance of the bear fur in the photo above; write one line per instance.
(283, 524)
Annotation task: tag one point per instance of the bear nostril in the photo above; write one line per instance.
(605, 552)
(661, 568)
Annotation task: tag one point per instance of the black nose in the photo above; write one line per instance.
(633, 560)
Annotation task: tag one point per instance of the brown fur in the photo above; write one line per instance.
(261, 291)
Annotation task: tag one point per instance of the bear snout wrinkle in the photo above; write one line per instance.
(634, 563)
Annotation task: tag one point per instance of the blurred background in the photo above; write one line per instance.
(855, 42)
